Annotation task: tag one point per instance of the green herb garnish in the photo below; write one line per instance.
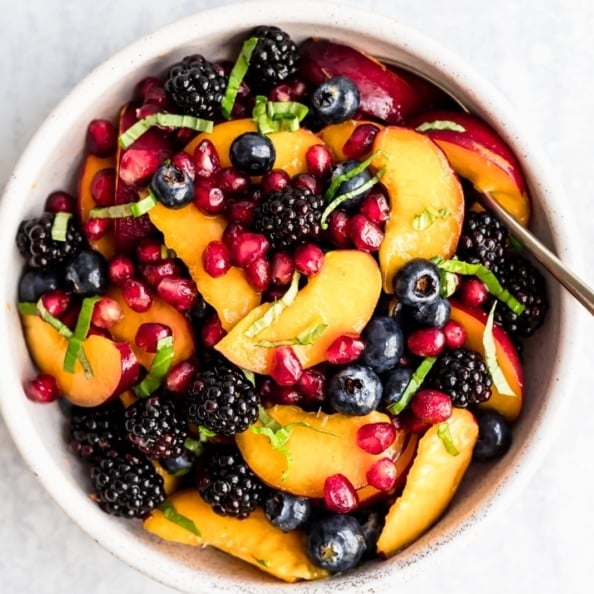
(237, 75)
(441, 125)
(308, 336)
(415, 382)
(131, 209)
(75, 342)
(60, 226)
(277, 116)
(427, 217)
(158, 369)
(169, 511)
(262, 562)
(499, 380)
(443, 432)
(249, 375)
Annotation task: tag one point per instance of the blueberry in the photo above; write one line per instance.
(335, 542)
(495, 436)
(252, 153)
(172, 186)
(86, 273)
(354, 390)
(372, 526)
(336, 100)
(34, 282)
(384, 343)
(180, 465)
(352, 184)
(394, 385)
(434, 314)
(417, 282)
(286, 511)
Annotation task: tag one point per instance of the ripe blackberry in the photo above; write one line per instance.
(35, 243)
(155, 427)
(222, 400)
(289, 216)
(228, 485)
(273, 60)
(483, 240)
(463, 375)
(95, 431)
(528, 286)
(126, 485)
(196, 86)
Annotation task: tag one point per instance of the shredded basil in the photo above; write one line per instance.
(60, 226)
(499, 379)
(169, 511)
(440, 125)
(443, 432)
(75, 342)
(131, 209)
(159, 368)
(308, 336)
(415, 382)
(427, 217)
(237, 75)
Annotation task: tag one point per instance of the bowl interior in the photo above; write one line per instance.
(50, 162)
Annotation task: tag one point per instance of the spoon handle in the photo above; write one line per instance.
(579, 289)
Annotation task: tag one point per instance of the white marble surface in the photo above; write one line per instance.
(540, 53)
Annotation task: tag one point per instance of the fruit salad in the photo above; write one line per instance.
(275, 316)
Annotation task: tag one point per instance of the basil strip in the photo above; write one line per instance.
(75, 342)
(237, 75)
(443, 432)
(499, 380)
(159, 368)
(60, 226)
(169, 511)
(416, 380)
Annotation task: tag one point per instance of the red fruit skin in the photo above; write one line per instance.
(308, 181)
(274, 181)
(281, 269)
(286, 369)
(154, 272)
(119, 269)
(56, 302)
(95, 228)
(365, 234)
(247, 248)
(130, 368)
(149, 334)
(312, 386)
(375, 438)
(137, 295)
(376, 208)
(231, 181)
(42, 389)
(206, 159)
(106, 313)
(240, 211)
(345, 349)
(431, 406)
(257, 274)
(149, 251)
(216, 259)
(359, 143)
(383, 474)
(103, 187)
(339, 494)
(308, 258)
(318, 160)
(102, 138)
(59, 202)
(338, 229)
(179, 377)
(181, 293)
(208, 198)
(212, 331)
(185, 163)
(473, 292)
(455, 334)
(426, 342)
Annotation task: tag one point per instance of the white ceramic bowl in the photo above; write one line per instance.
(50, 162)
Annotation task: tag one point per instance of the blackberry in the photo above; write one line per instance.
(228, 485)
(483, 240)
(463, 375)
(528, 286)
(196, 86)
(273, 60)
(222, 400)
(35, 243)
(155, 428)
(289, 216)
(95, 431)
(126, 485)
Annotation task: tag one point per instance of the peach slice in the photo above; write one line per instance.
(426, 200)
(431, 483)
(477, 153)
(474, 321)
(113, 364)
(336, 135)
(254, 540)
(341, 296)
(187, 231)
(160, 312)
(319, 446)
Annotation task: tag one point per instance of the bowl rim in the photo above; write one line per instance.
(318, 14)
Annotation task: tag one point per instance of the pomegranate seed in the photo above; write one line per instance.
(95, 331)
(431, 406)
(184, 162)
(345, 349)
(360, 141)
(155, 272)
(306, 180)
(287, 395)
(137, 295)
(149, 250)
(376, 208)
(149, 334)
(181, 293)
(473, 292)
(179, 377)
(382, 475)
(207, 197)
(426, 342)
(339, 494)
(103, 186)
(146, 110)
(42, 388)
(366, 236)
(232, 232)
(308, 258)
(257, 274)
(106, 313)
(281, 269)
(206, 159)
(375, 438)
(59, 202)
(211, 331)
(120, 269)
(138, 165)
(184, 135)
(299, 88)
(318, 159)
(247, 248)
(157, 96)
(231, 181)
(311, 385)
(102, 138)
(216, 259)
(56, 302)
(455, 334)
(266, 388)
(240, 211)
(95, 229)
(286, 368)
(145, 85)
(274, 181)
(338, 229)
(409, 422)
(282, 92)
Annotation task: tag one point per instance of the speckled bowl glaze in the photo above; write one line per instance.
(50, 163)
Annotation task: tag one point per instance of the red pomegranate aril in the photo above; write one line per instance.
(257, 274)
(137, 295)
(366, 236)
(339, 494)
(360, 141)
(148, 335)
(232, 231)
(206, 159)
(308, 181)
(308, 258)
(247, 248)
(102, 138)
(240, 211)
(154, 272)
(120, 269)
(318, 160)
(149, 250)
(138, 165)
(216, 259)
(106, 313)
(184, 135)
(311, 385)
(288, 395)
(431, 406)
(185, 163)
(103, 186)
(207, 197)
(211, 331)
(179, 377)
(455, 334)
(282, 92)
(96, 331)
(94, 229)
(231, 181)
(382, 475)
(56, 302)
(376, 208)
(426, 342)
(274, 181)
(376, 438)
(146, 110)
(59, 202)
(179, 292)
(281, 269)
(286, 369)
(345, 349)
(43, 389)
(156, 95)
(145, 85)
(339, 229)
(473, 292)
